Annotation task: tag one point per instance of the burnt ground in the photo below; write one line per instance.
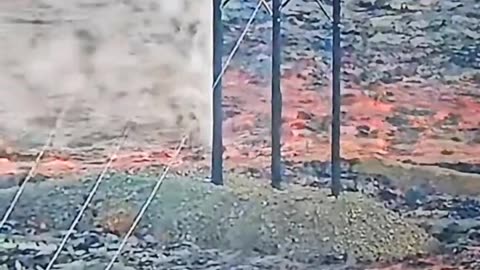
(410, 100)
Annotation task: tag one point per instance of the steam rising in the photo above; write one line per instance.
(109, 62)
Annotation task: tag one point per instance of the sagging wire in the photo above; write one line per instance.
(91, 194)
(110, 161)
(179, 148)
(245, 31)
(238, 43)
(284, 4)
(32, 171)
(113, 155)
(264, 3)
(322, 8)
(147, 203)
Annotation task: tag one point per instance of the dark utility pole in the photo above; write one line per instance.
(276, 97)
(217, 145)
(336, 122)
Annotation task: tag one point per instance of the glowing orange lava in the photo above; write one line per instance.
(307, 123)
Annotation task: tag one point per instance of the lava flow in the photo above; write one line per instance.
(418, 122)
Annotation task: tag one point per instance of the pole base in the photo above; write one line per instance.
(279, 186)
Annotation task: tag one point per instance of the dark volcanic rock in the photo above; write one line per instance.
(453, 220)
(388, 39)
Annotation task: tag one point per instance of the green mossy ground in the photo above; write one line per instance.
(246, 214)
(249, 215)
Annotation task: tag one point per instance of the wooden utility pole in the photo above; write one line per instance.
(276, 166)
(336, 185)
(217, 144)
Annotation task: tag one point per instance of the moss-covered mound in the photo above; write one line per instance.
(302, 222)
(246, 214)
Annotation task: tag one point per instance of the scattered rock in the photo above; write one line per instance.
(304, 115)
(246, 216)
(393, 31)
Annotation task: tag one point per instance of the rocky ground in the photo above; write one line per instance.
(410, 77)
(303, 226)
(195, 225)
(386, 41)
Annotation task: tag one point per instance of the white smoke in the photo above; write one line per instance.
(143, 61)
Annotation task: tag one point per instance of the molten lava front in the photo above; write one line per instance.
(416, 122)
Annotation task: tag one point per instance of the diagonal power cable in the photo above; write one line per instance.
(147, 203)
(119, 144)
(322, 8)
(158, 185)
(98, 181)
(238, 43)
(264, 3)
(32, 171)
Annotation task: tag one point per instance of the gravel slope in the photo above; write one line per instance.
(305, 225)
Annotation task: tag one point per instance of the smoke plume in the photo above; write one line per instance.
(107, 62)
